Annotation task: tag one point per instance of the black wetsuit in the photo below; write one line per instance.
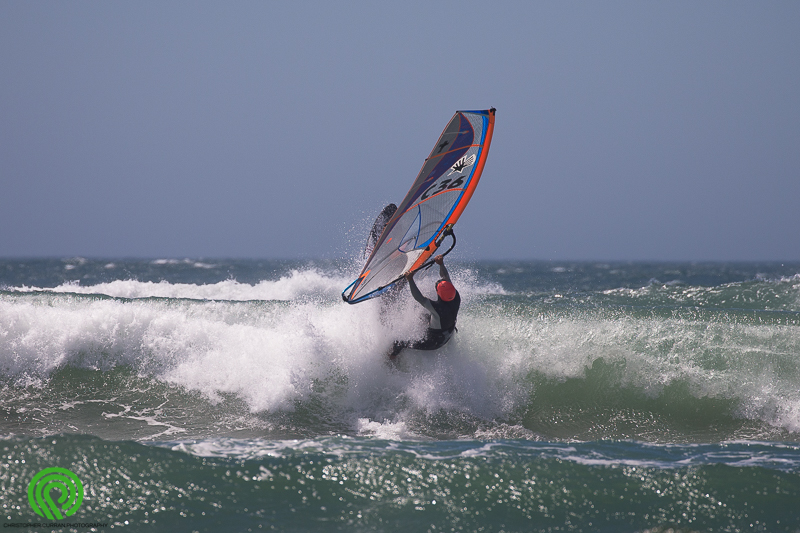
(442, 324)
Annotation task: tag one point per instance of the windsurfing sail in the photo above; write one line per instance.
(377, 228)
(434, 203)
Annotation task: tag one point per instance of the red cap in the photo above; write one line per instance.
(445, 290)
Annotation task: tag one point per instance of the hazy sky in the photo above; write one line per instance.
(624, 131)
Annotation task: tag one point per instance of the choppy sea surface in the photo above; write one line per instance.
(208, 395)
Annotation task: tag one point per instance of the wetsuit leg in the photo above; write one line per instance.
(434, 340)
(431, 342)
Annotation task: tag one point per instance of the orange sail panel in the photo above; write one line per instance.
(435, 201)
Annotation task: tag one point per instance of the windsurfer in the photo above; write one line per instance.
(443, 312)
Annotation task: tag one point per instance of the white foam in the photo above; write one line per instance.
(279, 343)
(240, 449)
(385, 430)
(257, 448)
(190, 262)
(272, 351)
(296, 284)
(150, 417)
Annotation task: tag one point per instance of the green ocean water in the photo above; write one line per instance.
(207, 394)
(363, 484)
